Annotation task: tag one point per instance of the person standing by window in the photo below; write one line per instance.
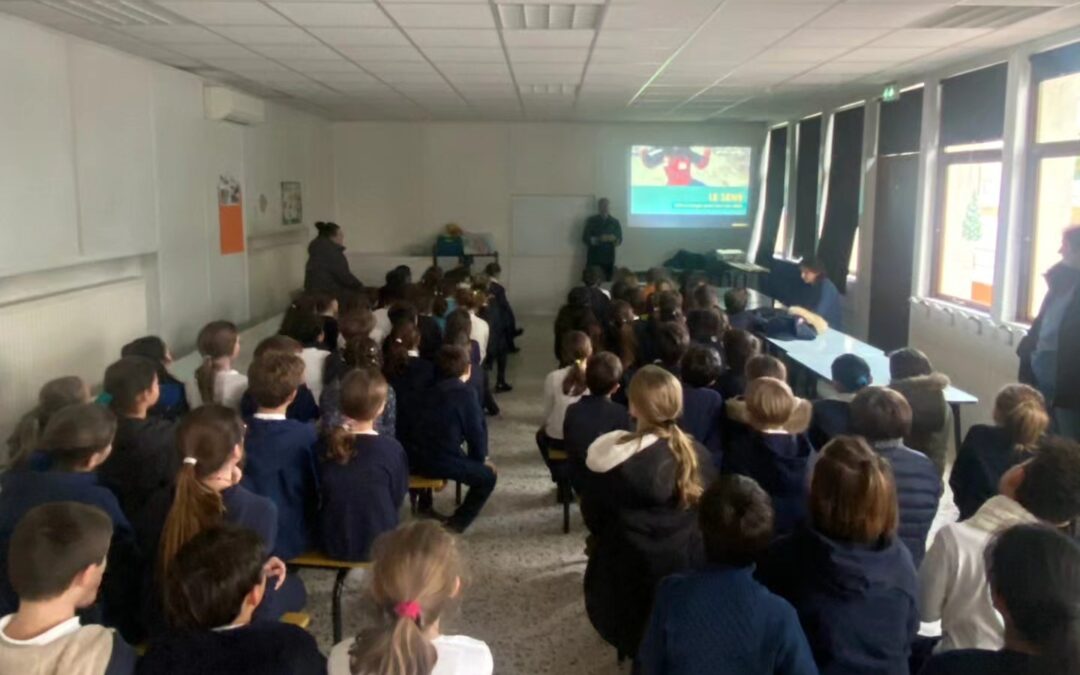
(602, 234)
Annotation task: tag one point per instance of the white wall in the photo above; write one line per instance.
(108, 208)
(397, 184)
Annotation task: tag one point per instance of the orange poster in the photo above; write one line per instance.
(230, 215)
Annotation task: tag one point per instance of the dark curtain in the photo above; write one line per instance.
(973, 106)
(807, 166)
(900, 129)
(1056, 62)
(774, 194)
(842, 204)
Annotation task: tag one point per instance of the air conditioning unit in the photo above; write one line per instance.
(225, 104)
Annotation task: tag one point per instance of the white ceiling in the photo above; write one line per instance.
(610, 60)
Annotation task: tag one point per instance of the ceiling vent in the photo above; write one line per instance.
(549, 17)
(549, 89)
(981, 16)
(115, 12)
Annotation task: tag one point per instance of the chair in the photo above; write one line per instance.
(297, 619)
(564, 493)
(318, 561)
(421, 485)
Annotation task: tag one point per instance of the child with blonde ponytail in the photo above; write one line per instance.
(218, 381)
(988, 451)
(644, 490)
(416, 580)
(563, 387)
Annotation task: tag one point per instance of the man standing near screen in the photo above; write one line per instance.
(602, 234)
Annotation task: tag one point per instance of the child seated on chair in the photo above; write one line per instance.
(562, 388)
(739, 347)
(56, 566)
(280, 455)
(363, 476)
(703, 406)
(914, 376)
(212, 589)
(303, 408)
(172, 403)
(832, 416)
(216, 378)
(306, 327)
(594, 414)
(415, 581)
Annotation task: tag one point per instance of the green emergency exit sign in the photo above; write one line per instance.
(891, 93)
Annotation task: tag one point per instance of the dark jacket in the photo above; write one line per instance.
(918, 491)
(983, 458)
(983, 662)
(823, 299)
(831, 418)
(600, 303)
(730, 384)
(260, 648)
(499, 297)
(144, 459)
(702, 418)
(280, 465)
(585, 421)
(1060, 279)
(448, 417)
(601, 254)
(640, 533)
(746, 320)
(172, 403)
(857, 604)
(302, 409)
(931, 416)
(780, 463)
(417, 377)
(431, 337)
(21, 491)
(327, 269)
(361, 499)
(723, 622)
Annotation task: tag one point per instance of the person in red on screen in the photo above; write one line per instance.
(679, 162)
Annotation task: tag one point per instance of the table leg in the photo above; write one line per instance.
(956, 424)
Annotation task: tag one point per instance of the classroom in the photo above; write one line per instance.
(460, 337)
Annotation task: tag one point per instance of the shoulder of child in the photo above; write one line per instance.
(472, 656)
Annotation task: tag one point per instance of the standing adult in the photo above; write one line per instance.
(602, 234)
(327, 268)
(1049, 359)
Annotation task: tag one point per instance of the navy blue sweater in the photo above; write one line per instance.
(448, 417)
(985, 455)
(918, 490)
(831, 418)
(857, 604)
(703, 414)
(418, 377)
(780, 464)
(144, 459)
(263, 648)
(172, 402)
(280, 465)
(302, 409)
(21, 491)
(723, 622)
(431, 337)
(361, 499)
(983, 662)
(589, 418)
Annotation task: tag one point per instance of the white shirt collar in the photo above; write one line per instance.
(58, 631)
(269, 416)
(414, 352)
(369, 432)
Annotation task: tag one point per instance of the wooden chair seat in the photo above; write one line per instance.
(319, 561)
(423, 483)
(300, 619)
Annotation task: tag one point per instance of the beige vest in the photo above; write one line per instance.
(84, 652)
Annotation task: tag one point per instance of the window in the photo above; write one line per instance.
(780, 250)
(1055, 167)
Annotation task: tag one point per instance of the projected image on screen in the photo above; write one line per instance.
(688, 184)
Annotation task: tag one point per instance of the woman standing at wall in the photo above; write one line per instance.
(327, 268)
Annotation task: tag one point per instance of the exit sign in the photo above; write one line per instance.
(891, 93)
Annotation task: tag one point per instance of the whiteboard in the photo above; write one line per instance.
(549, 225)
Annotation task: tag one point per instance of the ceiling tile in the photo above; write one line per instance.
(334, 14)
(436, 37)
(473, 68)
(360, 37)
(363, 54)
(833, 37)
(166, 35)
(733, 17)
(225, 13)
(876, 15)
(260, 35)
(889, 54)
(311, 66)
(212, 51)
(807, 54)
(287, 51)
(251, 66)
(852, 67)
(641, 38)
(672, 14)
(465, 54)
(929, 37)
(536, 55)
(35, 11)
(548, 38)
(448, 15)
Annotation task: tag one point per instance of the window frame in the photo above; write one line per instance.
(946, 160)
(1037, 152)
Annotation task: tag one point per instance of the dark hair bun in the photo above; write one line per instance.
(326, 229)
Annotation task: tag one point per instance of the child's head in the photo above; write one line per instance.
(701, 366)
(216, 579)
(853, 494)
(672, 341)
(909, 362)
(356, 324)
(363, 399)
(274, 378)
(53, 395)
(1034, 577)
(280, 344)
(468, 299)
(850, 373)
(493, 270)
(576, 350)
(764, 365)
(219, 344)
(150, 346)
(132, 385)
(362, 352)
(704, 297)
(458, 325)
(1021, 410)
(404, 338)
(401, 312)
(578, 297)
(453, 361)
(79, 437)
(811, 269)
(655, 274)
(415, 580)
(592, 276)
(736, 300)
(638, 300)
(210, 439)
(58, 550)
(432, 277)
(624, 275)
(667, 306)
(603, 373)
(880, 414)
(739, 347)
(303, 325)
(656, 402)
(736, 519)
(706, 326)
(322, 303)
(769, 403)
(1048, 484)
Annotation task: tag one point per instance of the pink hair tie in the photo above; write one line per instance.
(409, 610)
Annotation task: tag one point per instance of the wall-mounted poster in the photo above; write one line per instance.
(230, 215)
(292, 205)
